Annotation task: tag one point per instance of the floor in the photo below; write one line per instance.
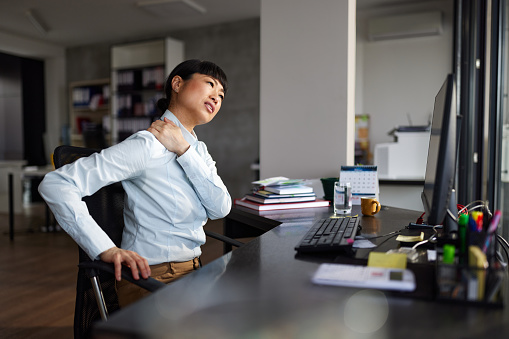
(38, 276)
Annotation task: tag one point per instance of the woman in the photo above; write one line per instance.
(171, 185)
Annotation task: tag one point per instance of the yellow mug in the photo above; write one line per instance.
(370, 206)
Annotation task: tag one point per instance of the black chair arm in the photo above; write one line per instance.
(149, 284)
(223, 238)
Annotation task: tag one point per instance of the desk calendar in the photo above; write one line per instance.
(364, 181)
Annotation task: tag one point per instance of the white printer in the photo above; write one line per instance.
(405, 158)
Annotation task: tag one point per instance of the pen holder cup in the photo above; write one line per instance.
(473, 285)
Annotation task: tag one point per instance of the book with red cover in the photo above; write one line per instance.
(267, 207)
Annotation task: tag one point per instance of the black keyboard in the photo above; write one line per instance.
(329, 235)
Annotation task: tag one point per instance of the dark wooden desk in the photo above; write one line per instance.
(263, 289)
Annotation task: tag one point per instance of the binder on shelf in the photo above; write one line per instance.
(92, 96)
(152, 77)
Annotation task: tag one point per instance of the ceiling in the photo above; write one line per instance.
(71, 23)
(81, 22)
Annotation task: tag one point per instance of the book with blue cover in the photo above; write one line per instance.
(271, 195)
(289, 189)
(282, 199)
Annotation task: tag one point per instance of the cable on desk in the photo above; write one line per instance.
(482, 204)
(432, 239)
(502, 239)
(420, 220)
(385, 235)
(453, 217)
(505, 247)
(389, 235)
(461, 209)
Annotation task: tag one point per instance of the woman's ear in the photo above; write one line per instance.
(176, 82)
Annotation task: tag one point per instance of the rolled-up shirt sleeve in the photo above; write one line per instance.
(64, 188)
(201, 170)
(64, 199)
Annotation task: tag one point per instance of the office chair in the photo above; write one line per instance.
(95, 290)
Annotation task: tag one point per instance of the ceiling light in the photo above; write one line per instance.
(36, 21)
(195, 6)
(190, 3)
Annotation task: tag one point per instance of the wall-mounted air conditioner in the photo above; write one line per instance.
(405, 26)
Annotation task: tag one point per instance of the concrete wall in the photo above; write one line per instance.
(88, 62)
(233, 136)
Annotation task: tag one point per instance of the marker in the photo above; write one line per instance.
(480, 218)
(449, 252)
(472, 225)
(462, 223)
(477, 217)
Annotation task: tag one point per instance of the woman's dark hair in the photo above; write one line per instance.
(185, 70)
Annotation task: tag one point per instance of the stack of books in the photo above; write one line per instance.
(280, 193)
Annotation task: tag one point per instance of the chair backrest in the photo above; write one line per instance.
(93, 136)
(106, 207)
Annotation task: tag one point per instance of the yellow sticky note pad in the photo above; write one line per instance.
(410, 238)
(388, 260)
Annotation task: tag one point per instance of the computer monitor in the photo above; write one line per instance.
(438, 194)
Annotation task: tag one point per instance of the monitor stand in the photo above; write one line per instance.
(450, 222)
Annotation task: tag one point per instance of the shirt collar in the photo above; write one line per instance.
(191, 138)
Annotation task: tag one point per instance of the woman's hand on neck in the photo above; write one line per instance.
(170, 135)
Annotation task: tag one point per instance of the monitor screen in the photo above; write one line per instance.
(441, 164)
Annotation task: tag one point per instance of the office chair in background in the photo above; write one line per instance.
(94, 136)
(95, 290)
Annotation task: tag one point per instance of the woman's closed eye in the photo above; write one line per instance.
(212, 84)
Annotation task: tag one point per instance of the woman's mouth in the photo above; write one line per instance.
(210, 107)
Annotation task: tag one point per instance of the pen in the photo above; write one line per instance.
(492, 229)
(494, 221)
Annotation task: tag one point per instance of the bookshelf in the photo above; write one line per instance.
(139, 72)
(89, 109)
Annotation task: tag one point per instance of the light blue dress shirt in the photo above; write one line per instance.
(168, 198)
